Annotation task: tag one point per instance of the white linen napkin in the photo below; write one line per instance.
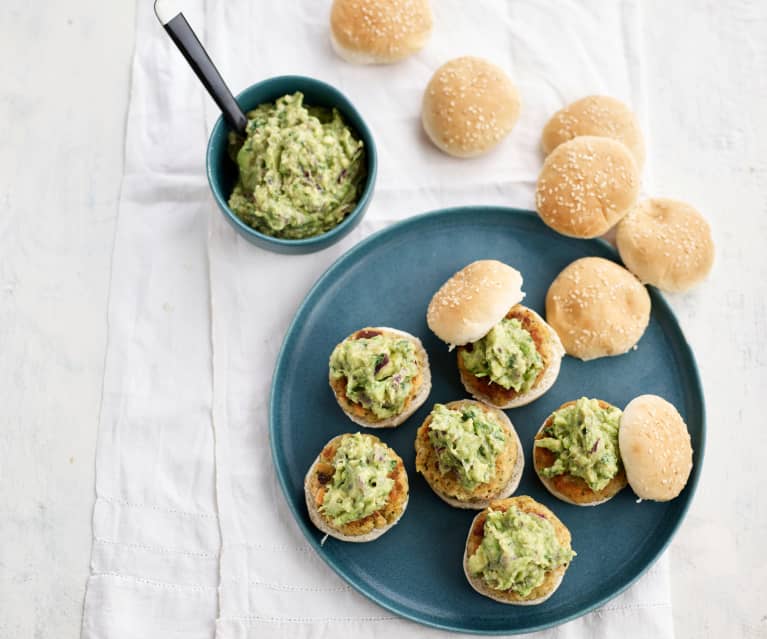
(192, 536)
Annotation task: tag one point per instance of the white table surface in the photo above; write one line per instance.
(63, 97)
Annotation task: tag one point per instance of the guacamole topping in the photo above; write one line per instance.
(517, 551)
(379, 371)
(301, 169)
(361, 482)
(584, 438)
(507, 355)
(467, 441)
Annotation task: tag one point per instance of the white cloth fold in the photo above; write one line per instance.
(192, 536)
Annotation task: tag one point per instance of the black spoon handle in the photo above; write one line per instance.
(187, 42)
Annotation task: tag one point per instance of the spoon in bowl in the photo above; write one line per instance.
(174, 22)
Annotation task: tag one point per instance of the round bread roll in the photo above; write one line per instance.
(552, 578)
(598, 115)
(586, 186)
(655, 446)
(569, 488)
(473, 300)
(379, 31)
(367, 528)
(421, 384)
(598, 308)
(469, 106)
(508, 466)
(548, 345)
(666, 243)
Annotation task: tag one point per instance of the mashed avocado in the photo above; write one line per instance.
(379, 372)
(507, 355)
(517, 550)
(466, 441)
(584, 438)
(360, 483)
(301, 170)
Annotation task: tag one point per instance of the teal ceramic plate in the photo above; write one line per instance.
(415, 569)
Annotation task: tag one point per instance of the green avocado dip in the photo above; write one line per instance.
(466, 441)
(506, 355)
(517, 551)
(301, 169)
(361, 483)
(379, 371)
(584, 439)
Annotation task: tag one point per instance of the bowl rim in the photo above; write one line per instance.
(345, 105)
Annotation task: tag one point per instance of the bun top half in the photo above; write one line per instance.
(379, 31)
(474, 300)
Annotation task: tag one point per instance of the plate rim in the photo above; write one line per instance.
(657, 299)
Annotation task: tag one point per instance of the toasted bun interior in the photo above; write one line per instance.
(656, 448)
(473, 300)
(598, 308)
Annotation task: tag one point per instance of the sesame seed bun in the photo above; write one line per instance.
(469, 106)
(586, 186)
(367, 528)
(666, 243)
(598, 115)
(420, 391)
(569, 488)
(552, 578)
(379, 31)
(655, 446)
(547, 344)
(598, 308)
(508, 465)
(474, 300)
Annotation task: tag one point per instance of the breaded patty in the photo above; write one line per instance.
(496, 393)
(449, 484)
(551, 579)
(568, 487)
(322, 473)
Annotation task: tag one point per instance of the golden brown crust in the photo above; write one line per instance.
(598, 115)
(379, 31)
(666, 243)
(552, 578)
(494, 393)
(469, 106)
(569, 488)
(598, 308)
(586, 186)
(508, 464)
(418, 393)
(319, 475)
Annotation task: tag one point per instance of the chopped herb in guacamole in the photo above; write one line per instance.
(506, 355)
(467, 441)
(301, 170)
(379, 371)
(584, 439)
(517, 551)
(361, 483)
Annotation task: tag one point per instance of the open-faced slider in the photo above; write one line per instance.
(357, 488)
(517, 552)
(469, 453)
(380, 376)
(507, 354)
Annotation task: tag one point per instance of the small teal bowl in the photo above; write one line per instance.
(222, 172)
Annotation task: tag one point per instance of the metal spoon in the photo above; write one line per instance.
(174, 22)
